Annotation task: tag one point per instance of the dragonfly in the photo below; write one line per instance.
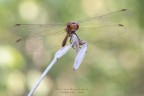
(34, 37)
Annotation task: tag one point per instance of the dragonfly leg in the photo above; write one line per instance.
(65, 40)
(77, 43)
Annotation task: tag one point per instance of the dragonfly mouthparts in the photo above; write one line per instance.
(73, 31)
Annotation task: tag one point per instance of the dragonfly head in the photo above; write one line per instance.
(71, 27)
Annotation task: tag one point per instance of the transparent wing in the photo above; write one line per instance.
(105, 34)
(112, 36)
(38, 37)
(111, 17)
(36, 29)
(105, 28)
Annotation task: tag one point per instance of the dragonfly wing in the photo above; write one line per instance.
(104, 33)
(35, 29)
(111, 17)
(37, 37)
(105, 27)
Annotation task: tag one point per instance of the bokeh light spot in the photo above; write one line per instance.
(6, 57)
(28, 10)
(10, 58)
(92, 7)
(45, 86)
(16, 83)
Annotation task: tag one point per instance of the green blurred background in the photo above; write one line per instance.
(109, 68)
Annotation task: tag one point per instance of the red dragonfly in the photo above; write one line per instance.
(34, 37)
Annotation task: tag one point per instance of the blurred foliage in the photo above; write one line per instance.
(111, 67)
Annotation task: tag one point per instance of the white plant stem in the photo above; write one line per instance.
(42, 76)
(60, 53)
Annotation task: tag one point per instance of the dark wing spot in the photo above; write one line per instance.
(17, 24)
(120, 25)
(19, 40)
(124, 10)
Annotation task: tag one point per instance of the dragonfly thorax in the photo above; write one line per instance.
(72, 27)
